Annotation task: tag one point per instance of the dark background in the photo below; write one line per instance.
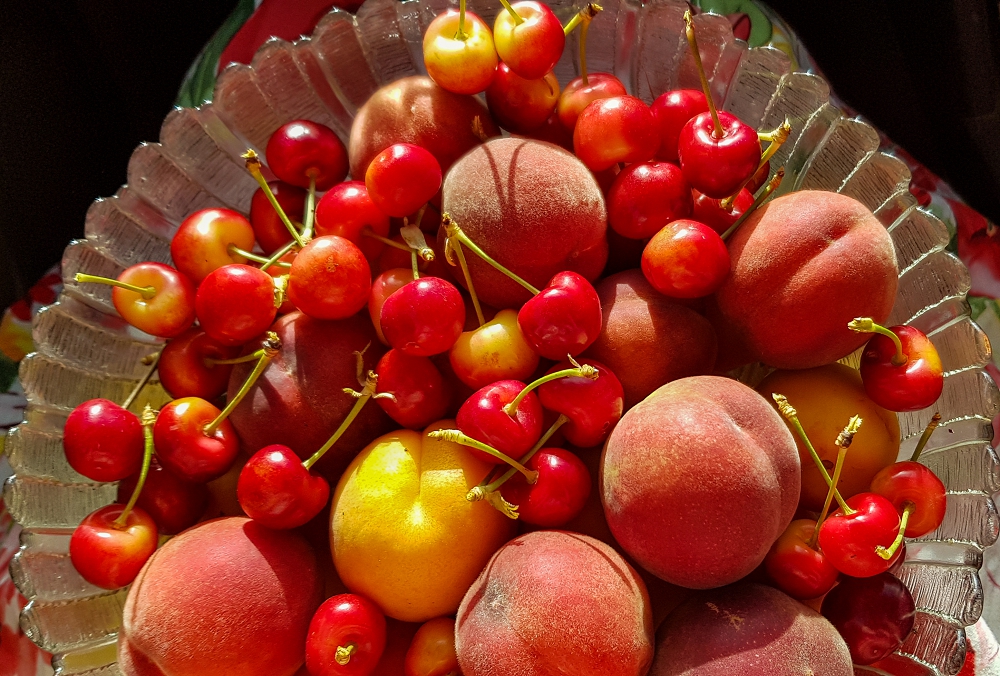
(85, 81)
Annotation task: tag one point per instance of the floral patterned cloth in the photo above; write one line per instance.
(975, 240)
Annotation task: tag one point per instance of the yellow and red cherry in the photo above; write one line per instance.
(497, 350)
(386, 284)
(109, 553)
(424, 317)
(459, 54)
(686, 259)
(103, 441)
(717, 161)
(420, 394)
(520, 105)
(672, 111)
(402, 178)
(592, 406)
(235, 303)
(613, 130)
(529, 38)
(432, 650)
(563, 318)
(187, 369)
(798, 568)
(900, 367)
(301, 153)
(347, 210)
(152, 297)
(911, 484)
(268, 229)
(873, 615)
(558, 494)
(346, 637)
(276, 490)
(645, 196)
(187, 447)
(714, 214)
(485, 417)
(329, 278)
(173, 504)
(208, 239)
(582, 91)
(852, 542)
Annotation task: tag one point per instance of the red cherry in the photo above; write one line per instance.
(592, 406)
(559, 493)
(301, 150)
(268, 229)
(563, 318)
(686, 259)
(483, 418)
(277, 491)
(532, 46)
(236, 303)
(201, 243)
(645, 197)
(873, 615)
(619, 129)
(432, 651)
(424, 317)
(109, 556)
(709, 210)
(797, 569)
(718, 166)
(579, 94)
(422, 395)
(103, 441)
(521, 105)
(346, 637)
(184, 372)
(460, 64)
(185, 449)
(672, 111)
(329, 279)
(850, 541)
(174, 504)
(152, 297)
(346, 210)
(384, 286)
(402, 178)
(914, 384)
(911, 483)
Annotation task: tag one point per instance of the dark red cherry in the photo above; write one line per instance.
(559, 493)
(423, 318)
(717, 165)
(873, 615)
(645, 197)
(268, 229)
(174, 504)
(184, 371)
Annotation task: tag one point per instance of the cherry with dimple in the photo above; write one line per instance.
(459, 53)
(346, 637)
(190, 365)
(563, 318)
(174, 504)
(860, 543)
(558, 494)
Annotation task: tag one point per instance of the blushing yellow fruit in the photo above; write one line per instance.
(497, 350)
(402, 532)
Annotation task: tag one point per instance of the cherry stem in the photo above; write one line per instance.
(479, 492)
(693, 43)
(584, 16)
(267, 352)
(517, 17)
(415, 240)
(792, 416)
(868, 325)
(457, 437)
(253, 356)
(253, 166)
(154, 362)
(925, 437)
(771, 186)
(368, 232)
(234, 250)
(342, 656)
(843, 442)
(457, 248)
(455, 233)
(888, 552)
(366, 393)
(585, 371)
(460, 34)
(280, 287)
(778, 138)
(309, 219)
(276, 256)
(148, 418)
(147, 292)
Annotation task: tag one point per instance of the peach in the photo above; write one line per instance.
(803, 266)
(227, 596)
(647, 339)
(402, 532)
(554, 602)
(415, 110)
(534, 208)
(298, 400)
(699, 480)
(747, 630)
(825, 399)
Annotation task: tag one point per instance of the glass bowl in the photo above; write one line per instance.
(84, 350)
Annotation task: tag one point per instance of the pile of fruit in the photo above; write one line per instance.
(499, 333)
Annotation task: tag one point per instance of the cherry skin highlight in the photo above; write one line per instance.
(850, 541)
(483, 418)
(277, 491)
(402, 178)
(424, 317)
(235, 303)
(201, 243)
(797, 569)
(645, 197)
(577, 96)
(184, 372)
(182, 445)
(300, 151)
(686, 259)
(347, 636)
(346, 210)
(563, 318)
(268, 229)
(111, 557)
(329, 278)
(672, 111)
(461, 64)
(103, 441)
(714, 166)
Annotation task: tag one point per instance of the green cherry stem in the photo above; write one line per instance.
(578, 371)
(868, 325)
(148, 418)
(267, 352)
(478, 492)
(693, 44)
(771, 186)
(925, 437)
(887, 552)
(584, 16)
(153, 361)
(778, 138)
(236, 251)
(517, 17)
(147, 292)
(843, 442)
(455, 233)
(368, 232)
(460, 34)
(253, 166)
(366, 393)
(342, 655)
(454, 246)
(275, 258)
(457, 437)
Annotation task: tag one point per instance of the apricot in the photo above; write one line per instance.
(803, 266)
(746, 630)
(647, 339)
(554, 602)
(698, 480)
(402, 532)
(415, 110)
(226, 594)
(534, 208)
(299, 400)
(825, 398)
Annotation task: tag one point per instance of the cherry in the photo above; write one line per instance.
(591, 406)
(424, 317)
(186, 449)
(421, 395)
(174, 504)
(107, 551)
(909, 483)
(672, 111)
(797, 567)
(346, 637)
(711, 212)
(485, 417)
(208, 239)
(402, 178)
(900, 366)
(103, 441)
(873, 615)
(432, 651)
(497, 350)
(189, 365)
(686, 259)
(276, 490)
(458, 51)
(152, 297)
(582, 91)
(268, 229)
(563, 318)
(518, 104)
(235, 303)
(559, 493)
(384, 286)
(329, 279)
(529, 38)
(645, 197)
(613, 130)
(851, 540)
(347, 210)
(306, 153)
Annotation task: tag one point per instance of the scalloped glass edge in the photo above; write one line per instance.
(84, 350)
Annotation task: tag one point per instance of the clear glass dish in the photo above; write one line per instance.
(84, 350)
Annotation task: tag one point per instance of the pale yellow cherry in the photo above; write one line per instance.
(460, 56)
